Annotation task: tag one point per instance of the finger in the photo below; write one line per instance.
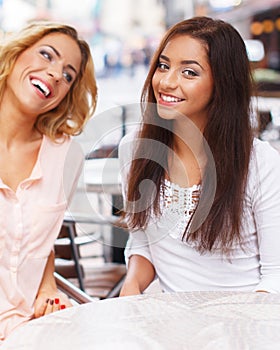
(43, 307)
(49, 308)
(41, 310)
(56, 304)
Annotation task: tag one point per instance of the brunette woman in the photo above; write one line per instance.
(201, 193)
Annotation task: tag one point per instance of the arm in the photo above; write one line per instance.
(140, 270)
(140, 274)
(49, 299)
(266, 207)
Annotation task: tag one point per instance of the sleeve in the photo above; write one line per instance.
(137, 243)
(73, 166)
(266, 208)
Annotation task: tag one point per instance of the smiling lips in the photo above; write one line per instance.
(41, 86)
(170, 99)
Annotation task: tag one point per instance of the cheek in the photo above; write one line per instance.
(155, 82)
(58, 101)
(207, 91)
(209, 87)
(25, 60)
(63, 91)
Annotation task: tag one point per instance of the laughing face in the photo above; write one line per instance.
(182, 82)
(44, 73)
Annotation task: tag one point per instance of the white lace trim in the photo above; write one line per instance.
(177, 206)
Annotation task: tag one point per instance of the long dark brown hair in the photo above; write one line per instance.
(228, 133)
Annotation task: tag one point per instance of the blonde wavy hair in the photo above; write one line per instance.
(71, 115)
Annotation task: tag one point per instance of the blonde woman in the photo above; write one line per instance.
(47, 94)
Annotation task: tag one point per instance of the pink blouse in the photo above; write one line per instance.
(30, 221)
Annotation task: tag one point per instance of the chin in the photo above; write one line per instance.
(167, 112)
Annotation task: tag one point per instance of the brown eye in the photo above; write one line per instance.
(189, 72)
(163, 66)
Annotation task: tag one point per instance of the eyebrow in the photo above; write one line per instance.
(182, 62)
(59, 55)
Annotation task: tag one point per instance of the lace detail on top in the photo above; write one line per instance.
(177, 206)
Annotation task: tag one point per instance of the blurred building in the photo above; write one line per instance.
(177, 10)
(256, 20)
(237, 12)
(124, 33)
(128, 32)
(122, 18)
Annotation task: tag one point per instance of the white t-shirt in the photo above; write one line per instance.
(180, 267)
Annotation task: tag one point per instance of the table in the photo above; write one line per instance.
(102, 176)
(159, 321)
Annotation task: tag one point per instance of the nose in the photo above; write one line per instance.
(169, 79)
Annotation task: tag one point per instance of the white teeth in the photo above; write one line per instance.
(41, 86)
(170, 98)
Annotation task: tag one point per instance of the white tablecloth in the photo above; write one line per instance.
(195, 321)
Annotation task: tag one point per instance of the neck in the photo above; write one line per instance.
(188, 138)
(16, 125)
(14, 134)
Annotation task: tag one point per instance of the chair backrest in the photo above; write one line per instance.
(71, 290)
(102, 280)
(67, 262)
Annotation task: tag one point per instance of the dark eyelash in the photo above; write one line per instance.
(68, 77)
(190, 72)
(161, 64)
(45, 54)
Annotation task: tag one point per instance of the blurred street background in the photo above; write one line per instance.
(123, 33)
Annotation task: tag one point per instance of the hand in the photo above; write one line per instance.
(46, 303)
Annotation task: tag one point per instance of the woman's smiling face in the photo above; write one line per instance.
(183, 81)
(44, 73)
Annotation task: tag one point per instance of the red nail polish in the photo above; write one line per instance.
(62, 307)
(51, 301)
(56, 300)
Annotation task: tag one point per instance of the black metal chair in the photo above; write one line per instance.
(103, 281)
(71, 290)
(67, 252)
